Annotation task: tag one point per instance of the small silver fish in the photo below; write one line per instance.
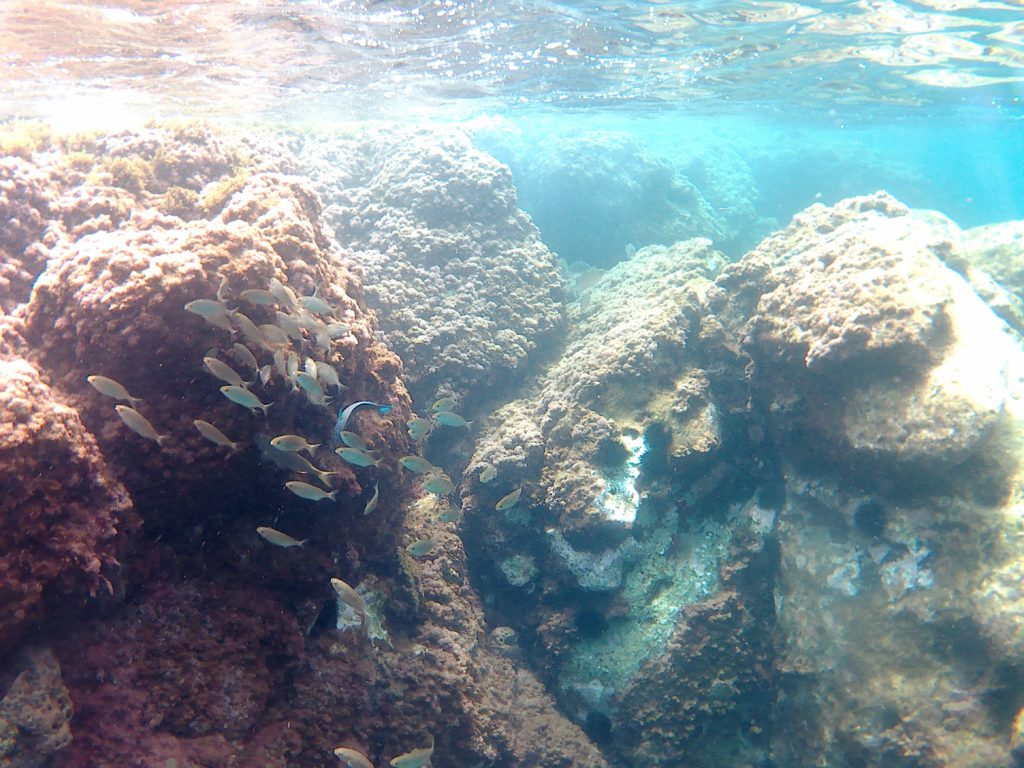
(309, 366)
(350, 597)
(449, 514)
(265, 373)
(110, 388)
(509, 500)
(290, 325)
(352, 440)
(291, 367)
(416, 464)
(444, 404)
(214, 435)
(451, 419)
(294, 443)
(488, 473)
(323, 342)
(206, 307)
(352, 758)
(337, 330)
(418, 427)
(219, 321)
(372, 503)
(325, 372)
(282, 292)
(259, 296)
(138, 424)
(316, 304)
(244, 357)
(245, 398)
(279, 539)
(309, 383)
(250, 331)
(357, 457)
(223, 371)
(309, 492)
(273, 336)
(420, 548)
(417, 758)
(439, 483)
(309, 322)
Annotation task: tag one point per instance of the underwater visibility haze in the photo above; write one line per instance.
(512, 384)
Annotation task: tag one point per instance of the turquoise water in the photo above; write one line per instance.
(656, 371)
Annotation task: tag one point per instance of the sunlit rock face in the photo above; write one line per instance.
(892, 394)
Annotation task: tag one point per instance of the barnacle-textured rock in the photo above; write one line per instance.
(35, 711)
(26, 192)
(864, 342)
(463, 287)
(577, 443)
(619, 439)
(60, 506)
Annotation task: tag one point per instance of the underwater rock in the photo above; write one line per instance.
(35, 711)
(597, 194)
(60, 505)
(26, 193)
(464, 289)
(112, 303)
(863, 342)
(886, 652)
(218, 648)
(615, 452)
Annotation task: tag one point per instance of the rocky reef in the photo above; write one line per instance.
(727, 512)
(464, 290)
(172, 630)
(813, 458)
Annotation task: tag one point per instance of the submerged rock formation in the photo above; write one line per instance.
(463, 287)
(181, 634)
(824, 528)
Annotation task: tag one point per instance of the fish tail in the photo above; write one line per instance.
(135, 401)
(304, 542)
(160, 439)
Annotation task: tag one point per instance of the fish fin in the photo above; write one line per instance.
(304, 542)
(332, 495)
(135, 401)
(160, 439)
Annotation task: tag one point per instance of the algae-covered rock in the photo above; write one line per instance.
(35, 711)
(464, 288)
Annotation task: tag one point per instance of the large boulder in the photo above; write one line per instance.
(464, 289)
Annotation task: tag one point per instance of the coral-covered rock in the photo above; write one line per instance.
(864, 341)
(462, 285)
(186, 672)
(113, 304)
(579, 442)
(60, 506)
(35, 711)
(602, 559)
(26, 192)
